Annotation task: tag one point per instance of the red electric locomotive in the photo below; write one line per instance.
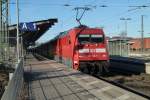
(81, 48)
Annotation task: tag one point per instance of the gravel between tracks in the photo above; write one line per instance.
(3, 82)
(139, 82)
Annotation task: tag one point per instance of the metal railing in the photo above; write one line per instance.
(15, 85)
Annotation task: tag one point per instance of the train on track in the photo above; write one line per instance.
(81, 48)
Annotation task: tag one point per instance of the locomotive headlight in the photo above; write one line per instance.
(104, 55)
(75, 62)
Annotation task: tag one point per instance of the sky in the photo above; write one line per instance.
(106, 17)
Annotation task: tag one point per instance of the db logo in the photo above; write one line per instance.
(92, 50)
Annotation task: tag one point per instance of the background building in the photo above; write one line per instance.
(136, 44)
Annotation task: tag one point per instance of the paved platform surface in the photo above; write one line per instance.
(48, 80)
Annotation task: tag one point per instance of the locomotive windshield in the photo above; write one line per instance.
(90, 38)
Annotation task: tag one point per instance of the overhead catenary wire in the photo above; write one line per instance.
(79, 17)
(136, 7)
(126, 12)
(90, 5)
(87, 5)
(69, 4)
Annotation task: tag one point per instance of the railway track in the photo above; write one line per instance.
(124, 87)
(111, 78)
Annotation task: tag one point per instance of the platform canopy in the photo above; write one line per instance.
(30, 31)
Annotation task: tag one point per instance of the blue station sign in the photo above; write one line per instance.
(27, 27)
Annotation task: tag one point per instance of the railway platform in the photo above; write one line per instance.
(49, 80)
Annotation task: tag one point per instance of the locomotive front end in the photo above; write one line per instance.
(92, 51)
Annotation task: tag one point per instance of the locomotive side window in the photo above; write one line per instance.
(69, 41)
